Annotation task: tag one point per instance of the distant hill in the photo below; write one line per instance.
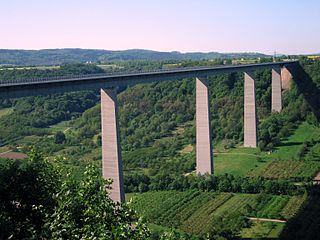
(75, 55)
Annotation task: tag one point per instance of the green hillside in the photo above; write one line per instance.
(74, 55)
(157, 127)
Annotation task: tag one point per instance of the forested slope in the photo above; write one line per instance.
(152, 111)
(73, 55)
(158, 116)
(157, 125)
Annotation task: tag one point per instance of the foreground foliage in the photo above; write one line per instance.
(37, 202)
(26, 196)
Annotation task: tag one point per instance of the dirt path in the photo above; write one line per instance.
(316, 179)
(267, 220)
(5, 152)
(246, 154)
(13, 155)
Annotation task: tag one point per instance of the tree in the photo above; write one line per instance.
(99, 141)
(85, 211)
(143, 187)
(59, 137)
(26, 189)
(36, 202)
(227, 227)
(173, 234)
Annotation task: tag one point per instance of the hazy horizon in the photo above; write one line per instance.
(100, 49)
(287, 27)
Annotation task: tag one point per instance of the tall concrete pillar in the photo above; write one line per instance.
(286, 78)
(276, 97)
(111, 149)
(203, 129)
(250, 111)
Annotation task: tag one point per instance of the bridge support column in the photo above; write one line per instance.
(286, 78)
(203, 130)
(276, 98)
(250, 111)
(111, 149)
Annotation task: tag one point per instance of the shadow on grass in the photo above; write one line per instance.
(307, 87)
(289, 144)
(306, 224)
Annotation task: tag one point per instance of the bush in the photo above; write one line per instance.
(59, 137)
(85, 210)
(36, 202)
(26, 190)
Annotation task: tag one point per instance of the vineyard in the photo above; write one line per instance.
(293, 169)
(262, 230)
(305, 225)
(193, 211)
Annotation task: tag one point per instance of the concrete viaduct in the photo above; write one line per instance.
(111, 149)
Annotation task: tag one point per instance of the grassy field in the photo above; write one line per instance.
(109, 66)
(27, 140)
(5, 111)
(4, 149)
(237, 163)
(193, 211)
(239, 160)
(262, 230)
(28, 68)
(290, 147)
(282, 163)
(61, 126)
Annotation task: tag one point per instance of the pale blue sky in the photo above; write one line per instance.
(285, 26)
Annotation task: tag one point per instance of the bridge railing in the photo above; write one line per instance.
(7, 82)
(95, 75)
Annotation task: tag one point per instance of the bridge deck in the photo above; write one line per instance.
(43, 86)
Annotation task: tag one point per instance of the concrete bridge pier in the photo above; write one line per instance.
(111, 149)
(250, 111)
(204, 158)
(286, 78)
(276, 98)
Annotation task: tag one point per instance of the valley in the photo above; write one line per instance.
(255, 192)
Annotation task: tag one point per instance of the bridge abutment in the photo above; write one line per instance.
(250, 111)
(204, 158)
(276, 96)
(111, 149)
